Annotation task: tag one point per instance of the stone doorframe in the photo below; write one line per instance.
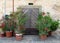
(31, 31)
(32, 6)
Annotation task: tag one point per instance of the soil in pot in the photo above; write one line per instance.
(8, 33)
(19, 37)
(43, 37)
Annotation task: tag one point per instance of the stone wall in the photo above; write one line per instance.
(47, 5)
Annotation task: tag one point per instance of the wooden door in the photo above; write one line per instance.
(32, 14)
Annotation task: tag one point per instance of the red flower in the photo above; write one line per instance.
(43, 13)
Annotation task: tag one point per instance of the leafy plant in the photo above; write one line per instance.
(54, 25)
(19, 31)
(20, 19)
(46, 24)
(41, 24)
(9, 24)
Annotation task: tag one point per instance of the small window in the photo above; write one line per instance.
(30, 3)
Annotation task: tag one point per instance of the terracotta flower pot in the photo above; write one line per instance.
(49, 33)
(43, 37)
(19, 37)
(8, 33)
(2, 35)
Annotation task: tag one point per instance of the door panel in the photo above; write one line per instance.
(34, 15)
(31, 14)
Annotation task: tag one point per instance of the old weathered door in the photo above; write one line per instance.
(32, 14)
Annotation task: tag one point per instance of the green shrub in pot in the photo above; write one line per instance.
(20, 19)
(44, 24)
(18, 34)
(54, 25)
(47, 24)
(41, 25)
(1, 32)
(1, 28)
(9, 26)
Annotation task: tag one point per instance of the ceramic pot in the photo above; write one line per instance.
(8, 33)
(49, 33)
(43, 37)
(19, 36)
(2, 34)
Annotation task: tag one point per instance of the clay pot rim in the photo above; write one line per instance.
(43, 35)
(19, 34)
(8, 31)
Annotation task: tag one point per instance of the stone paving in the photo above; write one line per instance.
(30, 39)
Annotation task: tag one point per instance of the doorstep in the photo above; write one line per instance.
(30, 39)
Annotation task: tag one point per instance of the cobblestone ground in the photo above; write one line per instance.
(30, 39)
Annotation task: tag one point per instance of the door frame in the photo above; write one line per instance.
(31, 6)
(31, 29)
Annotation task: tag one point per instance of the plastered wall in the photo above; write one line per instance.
(47, 5)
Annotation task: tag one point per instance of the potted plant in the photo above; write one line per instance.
(41, 26)
(12, 23)
(48, 22)
(51, 24)
(8, 30)
(8, 26)
(20, 19)
(19, 34)
(1, 32)
(55, 24)
(43, 35)
(1, 28)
